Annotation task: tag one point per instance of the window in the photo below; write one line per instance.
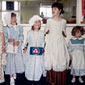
(46, 10)
(8, 6)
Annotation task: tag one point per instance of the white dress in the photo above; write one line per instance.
(34, 64)
(56, 53)
(76, 50)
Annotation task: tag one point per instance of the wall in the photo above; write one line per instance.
(28, 9)
(70, 9)
(31, 7)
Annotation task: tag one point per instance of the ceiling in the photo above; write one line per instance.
(30, 0)
(62, 1)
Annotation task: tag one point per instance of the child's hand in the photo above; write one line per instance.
(24, 50)
(63, 34)
(47, 33)
(16, 43)
(10, 40)
(70, 57)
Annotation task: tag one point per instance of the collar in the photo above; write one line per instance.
(74, 38)
(14, 26)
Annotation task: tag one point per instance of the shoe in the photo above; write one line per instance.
(80, 80)
(12, 80)
(73, 80)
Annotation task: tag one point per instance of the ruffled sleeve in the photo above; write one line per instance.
(5, 34)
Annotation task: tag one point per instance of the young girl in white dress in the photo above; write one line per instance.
(76, 47)
(56, 53)
(34, 62)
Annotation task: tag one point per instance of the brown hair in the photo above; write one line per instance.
(59, 6)
(33, 28)
(13, 14)
(76, 29)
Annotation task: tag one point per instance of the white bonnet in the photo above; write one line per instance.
(34, 18)
(7, 18)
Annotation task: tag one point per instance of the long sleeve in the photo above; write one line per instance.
(43, 40)
(5, 34)
(69, 47)
(27, 39)
(25, 55)
(21, 36)
(84, 45)
(47, 27)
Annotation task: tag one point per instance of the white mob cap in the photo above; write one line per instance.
(7, 18)
(34, 18)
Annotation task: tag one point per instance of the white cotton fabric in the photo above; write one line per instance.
(78, 61)
(56, 53)
(34, 64)
(7, 18)
(33, 19)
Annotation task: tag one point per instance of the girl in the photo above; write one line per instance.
(76, 48)
(56, 54)
(2, 55)
(13, 40)
(34, 64)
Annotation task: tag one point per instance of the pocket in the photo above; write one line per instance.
(36, 50)
(11, 48)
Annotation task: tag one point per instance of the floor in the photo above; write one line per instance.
(22, 81)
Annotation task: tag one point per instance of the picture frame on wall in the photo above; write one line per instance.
(9, 5)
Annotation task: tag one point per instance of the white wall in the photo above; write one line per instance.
(28, 10)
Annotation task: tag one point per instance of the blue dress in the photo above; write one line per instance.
(14, 61)
(34, 64)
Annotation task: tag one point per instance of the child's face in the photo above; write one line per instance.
(37, 24)
(13, 20)
(78, 34)
(55, 11)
